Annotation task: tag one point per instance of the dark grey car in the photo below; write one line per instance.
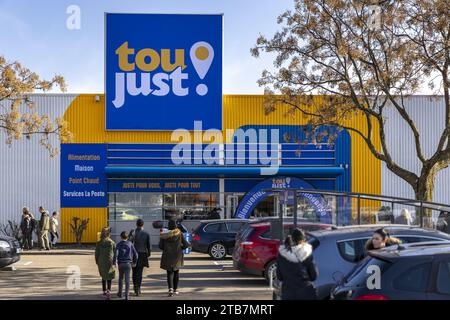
(337, 251)
(9, 251)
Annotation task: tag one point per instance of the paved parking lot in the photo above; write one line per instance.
(44, 275)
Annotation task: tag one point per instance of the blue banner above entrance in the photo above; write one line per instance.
(258, 193)
(163, 185)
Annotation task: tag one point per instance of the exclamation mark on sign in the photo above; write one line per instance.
(202, 55)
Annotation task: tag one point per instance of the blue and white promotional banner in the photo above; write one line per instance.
(258, 193)
(83, 182)
(163, 71)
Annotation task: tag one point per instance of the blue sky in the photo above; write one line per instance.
(35, 33)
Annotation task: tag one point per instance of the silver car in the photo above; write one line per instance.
(337, 251)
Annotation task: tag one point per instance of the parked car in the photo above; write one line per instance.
(338, 251)
(256, 247)
(418, 271)
(216, 237)
(9, 251)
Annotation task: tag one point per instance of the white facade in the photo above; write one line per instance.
(29, 177)
(428, 113)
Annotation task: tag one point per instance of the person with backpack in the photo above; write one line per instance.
(296, 268)
(26, 228)
(141, 240)
(125, 257)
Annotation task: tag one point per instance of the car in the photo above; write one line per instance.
(256, 246)
(417, 271)
(337, 252)
(9, 251)
(216, 237)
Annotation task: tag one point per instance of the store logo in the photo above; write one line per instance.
(170, 80)
(248, 147)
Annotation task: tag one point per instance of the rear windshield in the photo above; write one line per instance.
(245, 232)
(365, 268)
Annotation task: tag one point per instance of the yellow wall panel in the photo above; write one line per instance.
(97, 220)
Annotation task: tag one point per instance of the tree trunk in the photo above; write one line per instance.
(424, 192)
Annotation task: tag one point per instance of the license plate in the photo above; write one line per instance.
(18, 250)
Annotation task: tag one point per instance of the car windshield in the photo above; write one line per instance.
(365, 268)
(245, 232)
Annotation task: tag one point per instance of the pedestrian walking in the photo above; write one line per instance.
(104, 258)
(44, 227)
(141, 240)
(443, 222)
(126, 257)
(34, 229)
(296, 268)
(172, 243)
(405, 217)
(26, 228)
(54, 228)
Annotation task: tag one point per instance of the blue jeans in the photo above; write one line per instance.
(124, 272)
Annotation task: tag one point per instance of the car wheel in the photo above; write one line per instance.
(271, 268)
(217, 251)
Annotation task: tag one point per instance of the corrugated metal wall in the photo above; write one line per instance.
(98, 219)
(428, 113)
(29, 177)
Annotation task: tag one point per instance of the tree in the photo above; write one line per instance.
(363, 57)
(78, 226)
(18, 117)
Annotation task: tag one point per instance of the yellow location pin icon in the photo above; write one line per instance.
(202, 56)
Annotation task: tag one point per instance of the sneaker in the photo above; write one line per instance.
(170, 293)
(119, 294)
(176, 292)
(108, 295)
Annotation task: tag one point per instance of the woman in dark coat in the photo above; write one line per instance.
(296, 268)
(172, 243)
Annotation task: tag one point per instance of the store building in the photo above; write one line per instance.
(149, 158)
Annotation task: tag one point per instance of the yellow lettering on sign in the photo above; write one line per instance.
(123, 52)
(128, 185)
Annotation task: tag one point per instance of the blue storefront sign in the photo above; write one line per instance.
(163, 185)
(258, 193)
(83, 182)
(163, 71)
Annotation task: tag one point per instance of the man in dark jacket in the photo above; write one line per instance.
(125, 256)
(141, 241)
(296, 268)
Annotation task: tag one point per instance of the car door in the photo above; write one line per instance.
(216, 232)
(408, 279)
(440, 289)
